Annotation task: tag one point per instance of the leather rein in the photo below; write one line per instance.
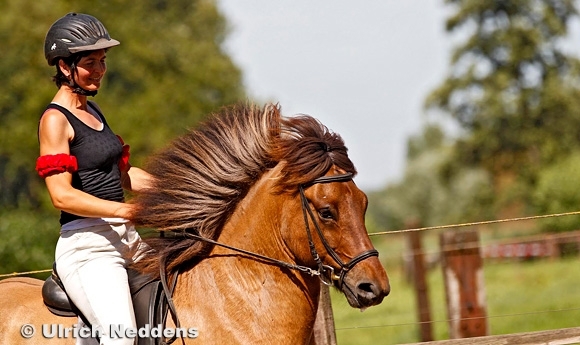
(324, 272)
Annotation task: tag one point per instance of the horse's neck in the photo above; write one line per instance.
(249, 290)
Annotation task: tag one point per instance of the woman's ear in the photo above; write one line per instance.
(64, 68)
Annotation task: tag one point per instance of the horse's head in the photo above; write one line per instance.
(319, 173)
(333, 209)
(207, 179)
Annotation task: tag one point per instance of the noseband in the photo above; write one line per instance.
(326, 272)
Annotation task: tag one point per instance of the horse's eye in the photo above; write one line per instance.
(325, 213)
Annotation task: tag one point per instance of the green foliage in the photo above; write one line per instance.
(28, 240)
(168, 73)
(427, 195)
(558, 191)
(511, 87)
(431, 138)
(516, 97)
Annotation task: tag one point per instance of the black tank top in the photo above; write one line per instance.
(97, 153)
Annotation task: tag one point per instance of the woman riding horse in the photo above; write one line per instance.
(256, 210)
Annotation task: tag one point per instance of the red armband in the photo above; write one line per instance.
(124, 160)
(55, 164)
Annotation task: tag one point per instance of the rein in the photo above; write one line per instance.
(304, 269)
(325, 272)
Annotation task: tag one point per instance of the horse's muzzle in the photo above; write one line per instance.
(366, 284)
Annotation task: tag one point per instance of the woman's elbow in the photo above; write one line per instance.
(58, 202)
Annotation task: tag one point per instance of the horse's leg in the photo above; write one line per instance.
(22, 311)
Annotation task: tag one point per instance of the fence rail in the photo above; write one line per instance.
(552, 337)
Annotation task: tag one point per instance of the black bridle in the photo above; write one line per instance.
(326, 272)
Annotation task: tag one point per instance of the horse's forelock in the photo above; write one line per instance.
(309, 149)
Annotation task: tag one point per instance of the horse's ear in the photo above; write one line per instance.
(275, 108)
(273, 114)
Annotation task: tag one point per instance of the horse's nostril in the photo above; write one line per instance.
(366, 287)
(371, 291)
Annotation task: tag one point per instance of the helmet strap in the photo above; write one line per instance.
(75, 87)
(80, 91)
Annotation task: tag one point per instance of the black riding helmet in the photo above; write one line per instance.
(73, 33)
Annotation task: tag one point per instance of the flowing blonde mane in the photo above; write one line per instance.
(202, 175)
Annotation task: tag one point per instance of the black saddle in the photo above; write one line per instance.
(149, 301)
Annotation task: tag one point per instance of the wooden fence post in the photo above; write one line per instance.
(464, 286)
(324, 332)
(421, 290)
(553, 246)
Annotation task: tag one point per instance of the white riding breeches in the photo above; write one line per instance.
(91, 264)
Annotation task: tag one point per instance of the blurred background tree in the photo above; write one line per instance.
(515, 96)
(168, 73)
(558, 190)
(427, 195)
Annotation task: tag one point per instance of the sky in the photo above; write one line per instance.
(363, 69)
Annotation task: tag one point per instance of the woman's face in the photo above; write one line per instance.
(91, 69)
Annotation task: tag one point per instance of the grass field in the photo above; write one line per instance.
(521, 297)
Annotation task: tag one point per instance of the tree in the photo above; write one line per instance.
(558, 191)
(426, 194)
(512, 89)
(169, 72)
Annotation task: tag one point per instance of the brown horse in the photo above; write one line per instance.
(257, 210)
